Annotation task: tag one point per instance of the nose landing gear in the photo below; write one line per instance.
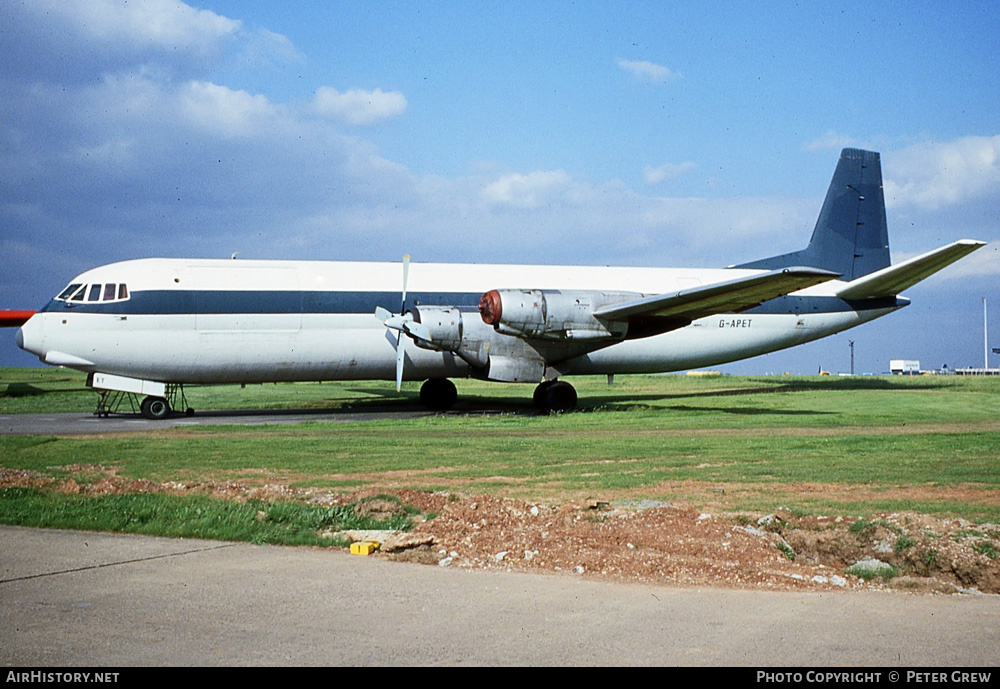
(152, 407)
(155, 408)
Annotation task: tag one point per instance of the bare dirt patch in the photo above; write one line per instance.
(627, 540)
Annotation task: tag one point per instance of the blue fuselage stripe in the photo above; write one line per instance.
(189, 302)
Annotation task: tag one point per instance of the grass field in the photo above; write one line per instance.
(812, 444)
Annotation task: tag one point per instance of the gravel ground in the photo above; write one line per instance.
(647, 541)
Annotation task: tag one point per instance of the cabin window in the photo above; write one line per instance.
(122, 291)
(95, 293)
(110, 289)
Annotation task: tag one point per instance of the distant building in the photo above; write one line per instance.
(901, 366)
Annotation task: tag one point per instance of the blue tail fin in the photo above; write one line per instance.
(851, 237)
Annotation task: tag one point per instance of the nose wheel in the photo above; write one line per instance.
(155, 408)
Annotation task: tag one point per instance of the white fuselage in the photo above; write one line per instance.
(217, 321)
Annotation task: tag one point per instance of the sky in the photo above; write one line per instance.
(623, 133)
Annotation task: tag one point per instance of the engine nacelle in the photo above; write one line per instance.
(552, 315)
(443, 323)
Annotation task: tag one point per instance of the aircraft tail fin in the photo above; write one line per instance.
(851, 236)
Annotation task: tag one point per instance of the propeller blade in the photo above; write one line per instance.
(395, 323)
(403, 323)
(406, 275)
(400, 354)
(417, 330)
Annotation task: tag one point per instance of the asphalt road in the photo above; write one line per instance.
(75, 599)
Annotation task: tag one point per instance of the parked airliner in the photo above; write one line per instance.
(148, 326)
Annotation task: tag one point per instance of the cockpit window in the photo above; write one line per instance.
(98, 292)
(66, 293)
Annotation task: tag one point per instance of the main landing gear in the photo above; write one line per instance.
(555, 396)
(440, 394)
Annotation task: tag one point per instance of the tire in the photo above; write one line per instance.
(559, 396)
(538, 398)
(155, 408)
(438, 394)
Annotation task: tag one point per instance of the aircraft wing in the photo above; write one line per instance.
(892, 280)
(668, 311)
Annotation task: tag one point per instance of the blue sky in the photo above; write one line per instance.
(631, 133)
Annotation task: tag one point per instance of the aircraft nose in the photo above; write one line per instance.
(29, 336)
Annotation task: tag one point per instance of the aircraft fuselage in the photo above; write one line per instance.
(217, 321)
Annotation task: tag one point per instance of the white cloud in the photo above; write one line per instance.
(662, 173)
(77, 40)
(358, 107)
(263, 48)
(167, 24)
(532, 190)
(648, 71)
(937, 174)
(225, 112)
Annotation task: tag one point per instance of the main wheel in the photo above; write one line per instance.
(555, 396)
(538, 398)
(438, 394)
(154, 408)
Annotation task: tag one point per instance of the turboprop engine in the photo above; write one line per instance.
(553, 315)
(520, 331)
(443, 327)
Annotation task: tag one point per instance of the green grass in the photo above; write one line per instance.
(865, 572)
(542, 452)
(657, 402)
(986, 548)
(645, 437)
(185, 517)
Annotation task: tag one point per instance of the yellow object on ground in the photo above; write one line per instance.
(364, 547)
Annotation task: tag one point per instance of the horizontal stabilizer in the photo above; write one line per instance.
(723, 297)
(891, 281)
